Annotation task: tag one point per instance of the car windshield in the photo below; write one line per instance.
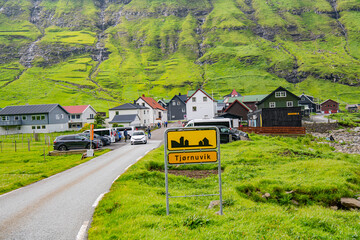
(138, 133)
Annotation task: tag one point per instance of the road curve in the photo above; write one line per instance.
(61, 206)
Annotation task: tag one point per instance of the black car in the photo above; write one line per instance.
(235, 134)
(224, 134)
(67, 142)
(104, 139)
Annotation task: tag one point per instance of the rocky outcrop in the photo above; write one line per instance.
(350, 203)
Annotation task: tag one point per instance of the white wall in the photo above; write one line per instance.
(204, 109)
(28, 129)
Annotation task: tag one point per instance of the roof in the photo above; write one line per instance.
(320, 103)
(352, 106)
(308, 97)
(77, 109)
(165, 101)
(249, 98)
(129, 106)
(273, 92)
(202, 92)
(152, 103)
(242, 104)
(29, 109)
(234, 93)
(182, 98)
(123, 118)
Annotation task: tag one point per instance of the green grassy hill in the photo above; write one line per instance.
(107, 52)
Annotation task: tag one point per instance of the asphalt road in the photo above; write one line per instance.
(61, 206)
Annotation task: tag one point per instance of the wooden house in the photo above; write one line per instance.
(329, 106)
(238, 109)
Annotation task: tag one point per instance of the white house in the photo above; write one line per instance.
(156, 112)
(129, 114)
(80, 115)
(200, 105)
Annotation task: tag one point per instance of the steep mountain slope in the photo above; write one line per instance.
(108, 51)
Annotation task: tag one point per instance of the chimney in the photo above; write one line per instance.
(179, 94)
(134, 101)
(143, 95)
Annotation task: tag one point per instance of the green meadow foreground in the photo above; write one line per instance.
(23, 167)
(304, 179)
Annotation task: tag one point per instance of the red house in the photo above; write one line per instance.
(329, 106)
(238, 109)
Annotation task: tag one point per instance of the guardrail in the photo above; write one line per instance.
(275, 130)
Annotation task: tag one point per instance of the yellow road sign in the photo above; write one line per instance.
(191, 140)
(192, 157)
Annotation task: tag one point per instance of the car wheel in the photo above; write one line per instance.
(132, 143)
(62, 148)
(145, 142)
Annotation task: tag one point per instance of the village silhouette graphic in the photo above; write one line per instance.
(185, 143)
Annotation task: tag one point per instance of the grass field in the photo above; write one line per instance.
(303, 178)
(22, 167)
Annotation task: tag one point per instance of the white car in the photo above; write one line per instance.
(138, 137)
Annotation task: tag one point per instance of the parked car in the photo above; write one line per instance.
(138, 137)
(67, 142)
(105, 140)
(110, 132)
(225, 134)
(235, 134)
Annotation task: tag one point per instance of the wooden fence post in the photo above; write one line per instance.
(29, 144)
(15, 145)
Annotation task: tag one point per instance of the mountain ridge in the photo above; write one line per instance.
(108, 52)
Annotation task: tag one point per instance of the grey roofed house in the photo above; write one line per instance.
(29, 109)
(33, 118)
(129, 106)
(131, 119)
(177, 107)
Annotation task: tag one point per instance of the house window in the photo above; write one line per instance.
(144, 112)
(43, 127)
(5, 118)
(33, 118)
(159, 114)
(57, 116)
(173, 103)
(193, 99)
(33, 127)
(91, 116)
(303, 98)
(38, 127)
(62, 116)
(172, 116)
(144, 121)
(204, 99)
(78, 116)
(117, 113)
(18, 128)
(194, 109)
(183, 110)
(24, 117)
(72, 116)
(272, 104)
(178, 103)
(143, 104)
(280, 94)
(289, 103)
(16, 118)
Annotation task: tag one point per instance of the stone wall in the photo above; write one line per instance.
(320, 127)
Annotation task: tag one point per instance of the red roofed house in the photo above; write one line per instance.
(238, 109)
(79, 115)
(329, 106)
(156, 113)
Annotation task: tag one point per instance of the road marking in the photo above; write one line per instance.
(115, 179)
(139, 158)
(98, 199)
(128, 167)
(81, 234)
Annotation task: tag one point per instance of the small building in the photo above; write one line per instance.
(238, 109)
(249, 100)
(80, 115)
(275, 117)
(234, 93)
(139, 115)
(126, 120)
(329, 106)
(309, 105)
(43, 118)
(279, 98)
(278, 109)
(352, 108)
(177, 107)
(200, 105)
(157, 113)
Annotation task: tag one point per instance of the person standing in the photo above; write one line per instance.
(125, 134)
(148, 130)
